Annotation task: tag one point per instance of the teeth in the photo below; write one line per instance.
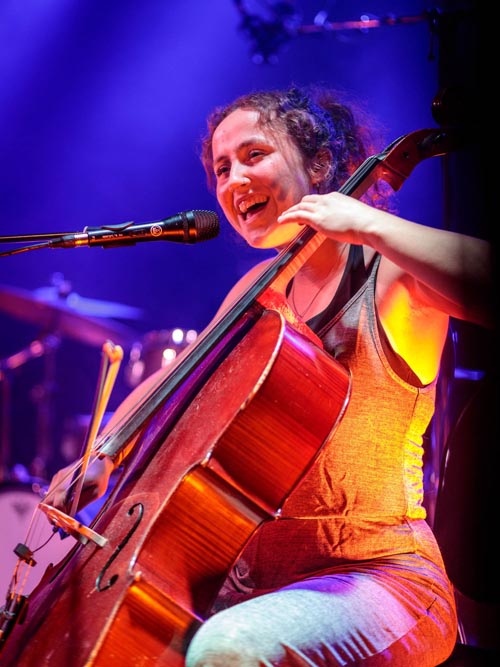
(251, 201)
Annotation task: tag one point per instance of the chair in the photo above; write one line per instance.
(466, 515)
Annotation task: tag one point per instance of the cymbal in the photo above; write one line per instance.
(86, 306)
(79, 319)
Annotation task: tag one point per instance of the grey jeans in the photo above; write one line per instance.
(396, 612)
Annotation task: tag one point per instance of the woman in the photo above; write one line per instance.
(350, 574)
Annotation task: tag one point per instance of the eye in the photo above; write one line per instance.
(221, 170)
(255, 153)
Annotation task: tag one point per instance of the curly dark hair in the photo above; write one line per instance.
(317, 120)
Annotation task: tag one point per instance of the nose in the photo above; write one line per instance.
(237, 176)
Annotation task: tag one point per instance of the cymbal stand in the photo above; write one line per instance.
(42, 394)
(5, 426)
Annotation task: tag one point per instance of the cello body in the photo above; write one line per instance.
(175, 528)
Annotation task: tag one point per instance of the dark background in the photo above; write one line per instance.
(102, 109)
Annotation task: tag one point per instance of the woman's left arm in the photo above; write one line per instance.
(453, 271)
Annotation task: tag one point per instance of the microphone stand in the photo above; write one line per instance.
(29, 238)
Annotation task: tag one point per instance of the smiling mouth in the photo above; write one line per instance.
(253, 209)
(251, 203)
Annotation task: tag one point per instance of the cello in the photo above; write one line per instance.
(218, 445)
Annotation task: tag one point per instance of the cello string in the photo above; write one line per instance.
(206, 336)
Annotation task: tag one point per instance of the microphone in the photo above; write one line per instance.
(185, 227)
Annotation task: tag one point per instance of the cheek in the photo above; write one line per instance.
(288, 193)
(224, 200)
(229, 213)
(289, 187)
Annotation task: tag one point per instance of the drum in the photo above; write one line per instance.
(157, 349)
(18, 502)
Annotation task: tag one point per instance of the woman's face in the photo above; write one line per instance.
(259, 174)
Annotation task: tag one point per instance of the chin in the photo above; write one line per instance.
(262, 241)
(277, 238)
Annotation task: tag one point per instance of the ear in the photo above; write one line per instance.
(321, 167)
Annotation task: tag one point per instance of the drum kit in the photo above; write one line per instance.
(58, 314)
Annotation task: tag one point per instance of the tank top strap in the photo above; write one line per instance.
(354, 277)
